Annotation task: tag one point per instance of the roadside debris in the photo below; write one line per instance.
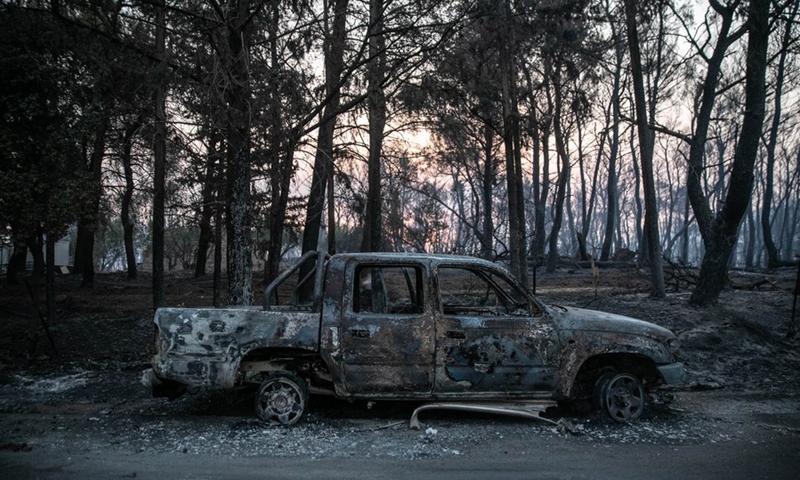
(530, 410)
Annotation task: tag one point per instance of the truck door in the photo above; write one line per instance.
(387, 333)
(492, 341)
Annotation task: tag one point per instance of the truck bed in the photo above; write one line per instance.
(203, 347)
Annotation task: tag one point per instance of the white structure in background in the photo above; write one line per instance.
(61, 260)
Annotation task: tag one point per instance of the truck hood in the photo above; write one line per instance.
(571, 318)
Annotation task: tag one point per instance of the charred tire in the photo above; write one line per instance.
(282, 398)
(620, 395)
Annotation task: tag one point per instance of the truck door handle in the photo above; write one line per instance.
(359, 333)
(456, 334)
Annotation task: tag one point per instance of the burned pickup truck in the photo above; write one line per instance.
(409, 327)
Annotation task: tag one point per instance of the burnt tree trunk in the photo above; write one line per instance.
(127, 197)
(50, 278)
(773, 258)
(695, 181)
(87, 226)
(540, 208)
(540, 187)
(612, 208)
(487, 232)
(35, 244)
(240, 289)
(564, 170)
(323, 161)
(587, 220)
(583, 255)
(720, 238)
(210, 184)
(511, 138)
(657, 288)
(218, 220)
(159, 160)
(376, 104)
(281, 159)
(750, 248)
(334, 45)
(278, 213)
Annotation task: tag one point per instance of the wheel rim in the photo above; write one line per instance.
(281, 400)
(623, 397)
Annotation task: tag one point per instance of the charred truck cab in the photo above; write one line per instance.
(390, 326)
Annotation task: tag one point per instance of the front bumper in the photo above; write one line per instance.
(671, 373)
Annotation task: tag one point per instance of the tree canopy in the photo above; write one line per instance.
(524, 132)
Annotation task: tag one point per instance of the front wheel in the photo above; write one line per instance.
(620, 395)
(282, 398)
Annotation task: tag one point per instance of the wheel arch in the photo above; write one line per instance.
(309, 365)
(594, 366)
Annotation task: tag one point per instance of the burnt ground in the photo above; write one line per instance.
(742, 384)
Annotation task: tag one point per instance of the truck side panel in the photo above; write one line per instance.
(203, 347)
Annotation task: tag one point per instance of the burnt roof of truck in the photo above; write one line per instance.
(431, 258)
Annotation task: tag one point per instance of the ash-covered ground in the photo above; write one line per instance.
(742, 384)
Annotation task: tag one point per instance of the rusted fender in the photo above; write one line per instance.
(586, 333)
(203, 347)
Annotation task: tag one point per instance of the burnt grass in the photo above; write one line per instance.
(82, 391)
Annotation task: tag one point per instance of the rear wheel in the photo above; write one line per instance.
(282, 398)
(620, 395)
